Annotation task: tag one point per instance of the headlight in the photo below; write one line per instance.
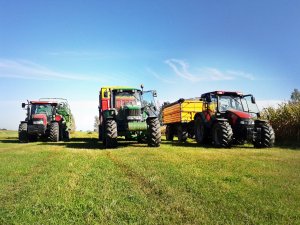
(38, 122)
(247, 122)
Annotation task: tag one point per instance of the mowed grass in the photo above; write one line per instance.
(80, 182)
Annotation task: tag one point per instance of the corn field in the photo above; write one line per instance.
(285, 120)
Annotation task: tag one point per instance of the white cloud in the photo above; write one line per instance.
(161, 78)
(182, 70)
(23, 69)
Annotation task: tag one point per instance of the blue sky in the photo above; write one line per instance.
(180, 48)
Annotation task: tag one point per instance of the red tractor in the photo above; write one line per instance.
(46, 118)
(231, 118)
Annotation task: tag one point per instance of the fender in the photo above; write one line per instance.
(259, 121)
(109, 114)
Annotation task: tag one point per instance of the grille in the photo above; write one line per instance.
(133, 112)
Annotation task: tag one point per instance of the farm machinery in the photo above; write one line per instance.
(179, 118)
(223, 118)
(128, 112)
(47, 118)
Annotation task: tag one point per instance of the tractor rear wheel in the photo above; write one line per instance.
(23, 135)
(111, 134)
(169, 133)
(154, 133)
(54, 132)
(200, 134)
(222, 134)
(267, 137)
(182, 134)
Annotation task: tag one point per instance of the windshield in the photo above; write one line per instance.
(248, 105)
(230, 102)
(41, 109)
(148, 98)
(127, 98)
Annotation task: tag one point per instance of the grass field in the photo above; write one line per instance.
(79, 182)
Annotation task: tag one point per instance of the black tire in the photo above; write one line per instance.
(22, 133)
(111, 134)
(54, 132)
(100, 133)
(201, 135)
(154, 132)
(267, 137)
(182, 133)
(169, 133)
(222, 134)
(61, 133)
(67, 135)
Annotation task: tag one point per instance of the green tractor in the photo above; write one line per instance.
(47, 118)
(128, 112)
(231, 118)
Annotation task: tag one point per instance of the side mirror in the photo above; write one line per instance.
(154, 93)
(23, 105)
(105, 94)
(252, 100)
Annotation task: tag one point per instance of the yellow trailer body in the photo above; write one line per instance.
(182, 111)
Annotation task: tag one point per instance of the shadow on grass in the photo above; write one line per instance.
(93, 143)
(196, 145)
(10, 141)
(288, 145)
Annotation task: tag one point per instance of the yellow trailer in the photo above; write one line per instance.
(179, 118)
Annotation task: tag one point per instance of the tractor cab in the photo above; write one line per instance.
(222, 103)
(41, 111)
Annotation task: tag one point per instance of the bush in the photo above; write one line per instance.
(285, 120)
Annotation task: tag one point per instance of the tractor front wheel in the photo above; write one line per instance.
(222, 134)
(154, 133)
(23, 135)
(54, 132)
(111, 134)
(267, 136)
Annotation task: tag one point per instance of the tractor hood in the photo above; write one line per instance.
(240, 114)
(39, 117)
(132, 107)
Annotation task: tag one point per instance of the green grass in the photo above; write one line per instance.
(79, 182)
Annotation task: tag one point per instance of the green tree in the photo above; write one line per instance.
(295, 96)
